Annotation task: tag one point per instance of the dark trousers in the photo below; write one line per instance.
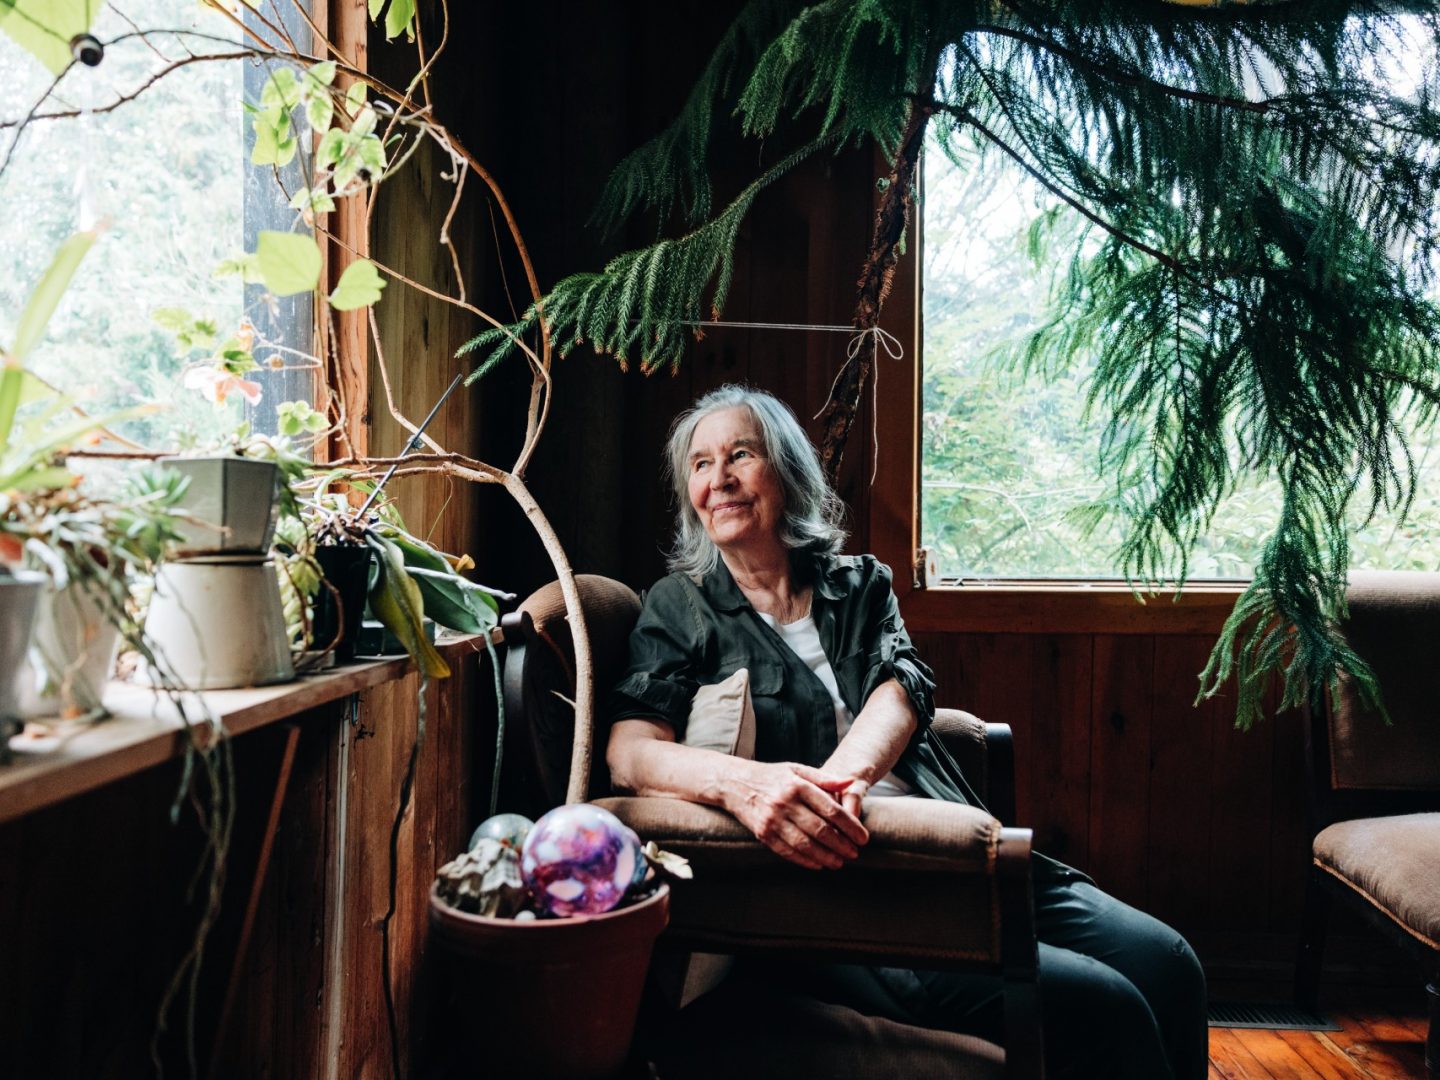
(1123, 994)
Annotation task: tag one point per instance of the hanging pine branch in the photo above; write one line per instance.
(1254, 286)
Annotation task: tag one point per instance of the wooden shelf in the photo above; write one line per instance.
(145, 729)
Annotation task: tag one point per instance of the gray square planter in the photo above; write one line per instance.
(233, 500)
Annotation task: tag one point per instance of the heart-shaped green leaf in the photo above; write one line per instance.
(289, 262)
(359, 286)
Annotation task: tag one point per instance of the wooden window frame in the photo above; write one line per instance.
(1023, 606)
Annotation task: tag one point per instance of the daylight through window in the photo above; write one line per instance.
(166, 178)
(1009, 478)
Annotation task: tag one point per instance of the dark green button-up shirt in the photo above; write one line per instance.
(691, 634)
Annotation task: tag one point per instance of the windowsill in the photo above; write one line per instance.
(144, 728)
(1068, 607)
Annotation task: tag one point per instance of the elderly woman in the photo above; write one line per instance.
(842, 705)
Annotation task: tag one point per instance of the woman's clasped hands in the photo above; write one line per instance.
(796, 811)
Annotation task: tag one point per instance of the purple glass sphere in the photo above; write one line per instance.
(579, 860)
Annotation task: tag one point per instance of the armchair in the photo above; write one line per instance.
(938, 886)
(1375, 789)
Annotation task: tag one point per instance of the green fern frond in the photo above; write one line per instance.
(644, 305)
(673, 168)
(1260, 241)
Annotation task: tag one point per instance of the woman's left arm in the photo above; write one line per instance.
(874, 742)
(895, 692)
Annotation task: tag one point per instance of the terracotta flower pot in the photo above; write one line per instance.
(554, 997)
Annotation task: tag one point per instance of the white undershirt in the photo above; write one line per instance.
(803, 637)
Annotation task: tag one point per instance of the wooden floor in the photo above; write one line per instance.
(1382, 1036)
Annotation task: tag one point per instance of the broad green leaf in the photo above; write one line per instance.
(46, 478)
(396, 601)
(398, 19)
(319, 110)
(275, 142)
(417, 553)
(332, 145)
(44, 27)
(289, 262)
(298, 418)
(45, 297)
(315, 95)
(33, 447)
(359, 157)
(365, 122)
(375, 7)
(316, 200)
(235, 358)
(454, 602)
(10, 379)
(359, 286)
(355, 98)
(282, 90)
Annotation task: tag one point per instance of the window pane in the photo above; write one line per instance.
(1008, 462)
(169, 171)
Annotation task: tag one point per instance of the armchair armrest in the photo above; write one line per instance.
(938, 886)
(985, 754)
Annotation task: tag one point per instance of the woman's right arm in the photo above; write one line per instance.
(790, 808)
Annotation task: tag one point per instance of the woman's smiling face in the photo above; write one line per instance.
(732, 486)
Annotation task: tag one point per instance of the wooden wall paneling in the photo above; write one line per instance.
(371, 790)
(419, 857)
(1182, 739)
(299, 882)
(258, 991)
(1052, 749)
(1120, 721)
(1238, 870)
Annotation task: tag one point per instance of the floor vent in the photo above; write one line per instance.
(1265, 1014)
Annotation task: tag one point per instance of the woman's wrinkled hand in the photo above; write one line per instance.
(795, 811)
(853, 795)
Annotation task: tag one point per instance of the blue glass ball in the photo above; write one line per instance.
(509, 829)
(579, 860)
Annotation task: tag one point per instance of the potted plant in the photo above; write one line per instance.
(81, 546)
(549, 925)
(368, 554)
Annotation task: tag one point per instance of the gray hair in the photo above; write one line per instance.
(813, 512)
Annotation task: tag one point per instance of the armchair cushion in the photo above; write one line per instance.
(923, 888)
(1394, 862)
(1393, 621)
(963, 734)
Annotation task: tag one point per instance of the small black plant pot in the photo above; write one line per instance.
(347, 572)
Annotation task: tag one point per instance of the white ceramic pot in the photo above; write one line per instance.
(218, 623)
(233, 502)
(18, 595)
(72, 651)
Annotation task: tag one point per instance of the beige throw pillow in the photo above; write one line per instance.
(722, 717)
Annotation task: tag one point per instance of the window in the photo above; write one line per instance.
(169, 174)
(1008, 462)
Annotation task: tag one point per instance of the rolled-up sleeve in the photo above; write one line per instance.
(893, 656)
(660, 681)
